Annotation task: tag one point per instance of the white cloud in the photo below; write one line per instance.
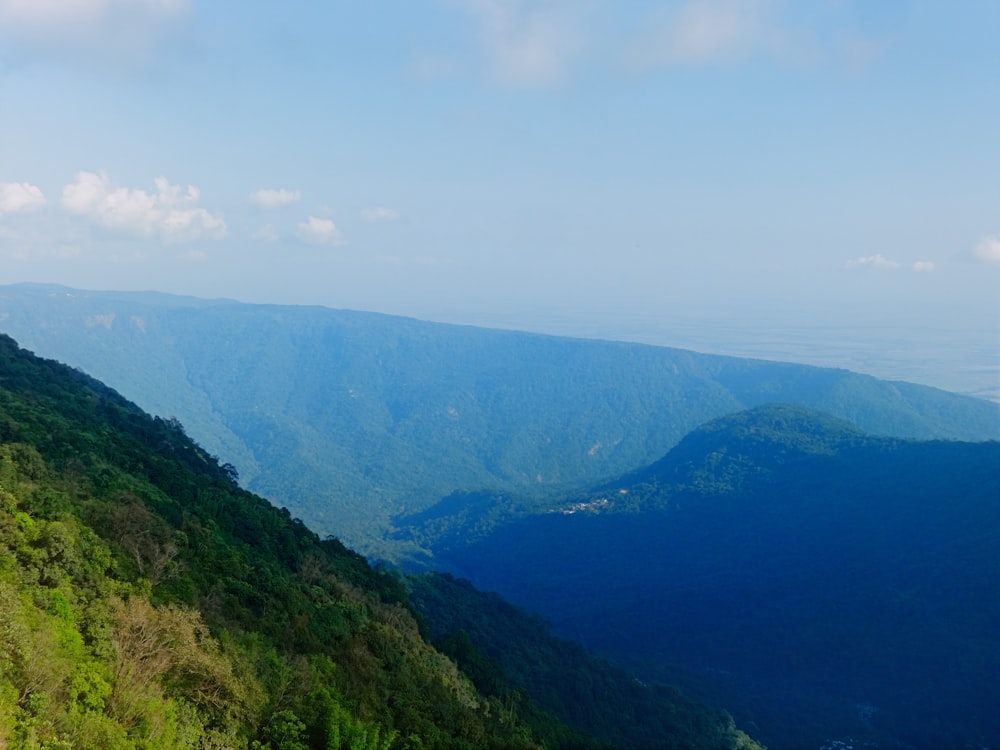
(16, 197)
(107, 28)
(704, 31)
(57, 17)
(873, 261)
(529, 43)
(274, 198)
(379, 214)
(988, 250)
(167, 214)
(319, 231)
(41, 13)
(923, 266)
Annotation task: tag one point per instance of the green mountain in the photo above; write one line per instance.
(820, 582)
(146, 601)
(357, 422)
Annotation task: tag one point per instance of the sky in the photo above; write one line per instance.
(584, 165)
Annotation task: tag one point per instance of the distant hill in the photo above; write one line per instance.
(822, 582)
(356, 421)
(146, 602)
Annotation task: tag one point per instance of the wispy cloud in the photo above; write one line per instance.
(168, 214)
(703, 31)
(375, 215)
(274, 198)
(16, 197)
(707, 32)
(880, 263)
(542, 42)
(104, 28)
(319, 231)
(528, 43)
(877, 261)
(988, 250)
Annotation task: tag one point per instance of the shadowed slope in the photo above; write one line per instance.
(787, 558)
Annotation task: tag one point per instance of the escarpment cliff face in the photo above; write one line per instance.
(357, 421)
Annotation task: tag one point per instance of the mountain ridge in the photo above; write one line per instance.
(318, 409)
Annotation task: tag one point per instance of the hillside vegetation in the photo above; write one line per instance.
(819, 582)
(357, 421)
(513, 655)
(147, 602)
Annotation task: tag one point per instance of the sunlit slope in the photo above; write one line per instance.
(828, 582)
(352, 419)
(147, 602)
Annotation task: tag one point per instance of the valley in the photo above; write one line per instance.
(791, 542)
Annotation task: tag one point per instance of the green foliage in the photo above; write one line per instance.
(148, 602)
(514, 657)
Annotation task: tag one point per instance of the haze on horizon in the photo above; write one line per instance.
(626, 170)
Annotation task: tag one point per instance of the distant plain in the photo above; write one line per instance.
(963, 360)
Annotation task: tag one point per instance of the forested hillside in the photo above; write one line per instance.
(357, 421)
(513, 655)
(148, 602)
(820, 582)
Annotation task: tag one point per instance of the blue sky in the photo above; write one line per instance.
(491, 160)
